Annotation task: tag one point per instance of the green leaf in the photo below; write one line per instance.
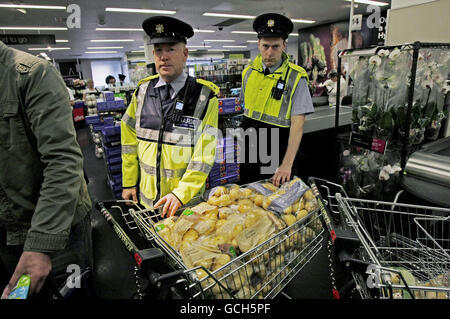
(386, 121)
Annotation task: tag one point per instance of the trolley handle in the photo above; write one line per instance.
(147, 259)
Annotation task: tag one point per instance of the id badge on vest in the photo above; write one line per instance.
(189, 122)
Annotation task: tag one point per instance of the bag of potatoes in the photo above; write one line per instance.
(255, 234)
(288, 194)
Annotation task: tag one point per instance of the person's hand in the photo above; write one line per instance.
(282, 175)
(129, 194)
(36, 265)
(171, 204)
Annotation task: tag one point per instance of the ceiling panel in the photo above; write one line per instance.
(93, 12)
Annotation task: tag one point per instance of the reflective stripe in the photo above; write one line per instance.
(202, 101)
(145, 200)
(168, 138)
(287, 97)
(128, 120)
(270, 119)
(199, 166)
(129, 149)
(247, 75)
(168, 173)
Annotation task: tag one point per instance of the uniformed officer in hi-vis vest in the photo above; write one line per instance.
(169, 130)
(276, 97)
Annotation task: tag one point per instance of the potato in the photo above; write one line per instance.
(310, 206)
(190, 236)
(289, 219)
(247, 202)
(245, 192)
(308, 195)
(258, 200)
(234, 243)
(225, 200)
(213, 200)
(244, 208)
(235, 194)
(266, 203)
(288, 210)
(219, 191)
(302, 214)
(224, 212)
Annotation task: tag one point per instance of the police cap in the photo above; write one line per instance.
(162, 29)
(272, 25)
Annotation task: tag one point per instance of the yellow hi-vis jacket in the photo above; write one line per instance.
(259, 103)
(172, 158)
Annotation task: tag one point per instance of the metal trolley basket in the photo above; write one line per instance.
(407, 246)
(404, 250)
(261, 272)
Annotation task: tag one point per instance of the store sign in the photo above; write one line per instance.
(368, 143)
(27, 39)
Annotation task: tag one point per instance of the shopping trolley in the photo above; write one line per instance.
(403, 249)
(407, 246)
(262, 272)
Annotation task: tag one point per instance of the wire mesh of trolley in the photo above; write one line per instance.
(260, 273)
(403, 250)
(408, 246)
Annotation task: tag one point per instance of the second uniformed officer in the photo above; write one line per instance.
(169, 129)
(276, 98)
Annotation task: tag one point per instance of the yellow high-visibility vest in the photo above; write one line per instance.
(175, 162)
(258, 101)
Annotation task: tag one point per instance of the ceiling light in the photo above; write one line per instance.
(226, 15)
(205, 31)
(217, 50)
(119, 29)
(138, 51)
(100, 52)
(47, 49)
(27, 6)
(103, 48)
(219, 41)
(234, 46)
(303, 21)
(24, 11)
(141, 47)
(375, 3)
(34, 28)
(198, 46)
(192, 50)
(244, 32)
(140, 10)
(117, 40)
(293, 34)
(252, 41)
(62, 41)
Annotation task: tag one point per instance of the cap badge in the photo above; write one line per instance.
(159, 28)
(270, 23)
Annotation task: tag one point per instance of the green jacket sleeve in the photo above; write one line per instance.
(203, 156)
(50, 115)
